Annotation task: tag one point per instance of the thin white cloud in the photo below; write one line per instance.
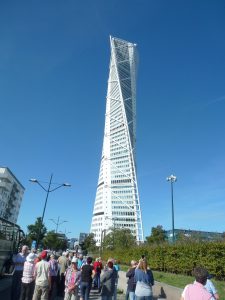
(222, 98)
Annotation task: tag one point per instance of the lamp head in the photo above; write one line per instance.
(172, 178)
(34, 180)
(66, 184)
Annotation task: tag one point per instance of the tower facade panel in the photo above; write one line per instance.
(117, 200)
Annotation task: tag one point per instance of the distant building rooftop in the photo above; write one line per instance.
(189, 233)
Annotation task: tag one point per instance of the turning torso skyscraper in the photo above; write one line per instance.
(117, 199)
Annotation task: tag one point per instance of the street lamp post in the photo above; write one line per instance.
(172, 179)
(47, 190)
(57, 223)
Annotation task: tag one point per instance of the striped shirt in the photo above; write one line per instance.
(28, 272)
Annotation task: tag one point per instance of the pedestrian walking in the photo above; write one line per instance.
(131, 283)
(108, 282)
(144, 281)
(53, 272)
(80, 261)
(97, 269)
(87, 272)
(63, 265)
(42, 278)
(27, 287)
(18, 260)
(72, 281)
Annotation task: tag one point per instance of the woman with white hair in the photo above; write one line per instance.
(27, 287)
(18, 260)
(72, 281)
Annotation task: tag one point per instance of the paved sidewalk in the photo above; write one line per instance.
(94, 295)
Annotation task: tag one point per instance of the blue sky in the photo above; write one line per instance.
(54, 60)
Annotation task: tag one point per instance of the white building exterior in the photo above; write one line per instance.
(117, 200)
(11, 193)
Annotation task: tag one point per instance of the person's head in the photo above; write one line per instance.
(143, 265)
(200, 275)
(133, 263)
(52, 256)
(74, 265)
(31, 257)
(24, 249)
(81, 256)
(110, 264)
(97, 259)
(44, 254)
(89, 260)
(74, 260)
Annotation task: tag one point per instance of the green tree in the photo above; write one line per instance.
(119, 239)
(89, 244)
(35, 231)
(54, 242)
(158, 235)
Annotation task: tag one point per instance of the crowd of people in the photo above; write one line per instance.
(70, 276)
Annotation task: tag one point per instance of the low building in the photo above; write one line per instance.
(193, 234)
(11, 194)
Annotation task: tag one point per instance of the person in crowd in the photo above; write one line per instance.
(87, 272)
(144, 281)
(197, 290)
(97, 269)
(72, 281)
(42, 278)
(80, 261)
(37, 258)
(108, 282)
(18, 260)
(116, 266)
(53, 272)
(63, 265)
(211, 289)
(27, 287)
(131, 283)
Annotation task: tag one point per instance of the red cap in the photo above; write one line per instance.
(44, 254)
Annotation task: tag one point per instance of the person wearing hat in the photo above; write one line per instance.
(27, 287)
(72, 281)
(42, 278)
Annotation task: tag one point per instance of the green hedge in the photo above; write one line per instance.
(179, 258)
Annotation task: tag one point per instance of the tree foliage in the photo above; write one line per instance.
(178, 258)
(35, 231)
(54, 242)
(89, 244)
(158, 235)
(118, 239)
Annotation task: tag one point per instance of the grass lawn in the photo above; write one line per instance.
(181, 280)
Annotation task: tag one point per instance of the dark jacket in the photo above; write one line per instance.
(131, 283)
(108, 280)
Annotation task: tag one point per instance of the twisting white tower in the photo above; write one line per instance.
(117, 200)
